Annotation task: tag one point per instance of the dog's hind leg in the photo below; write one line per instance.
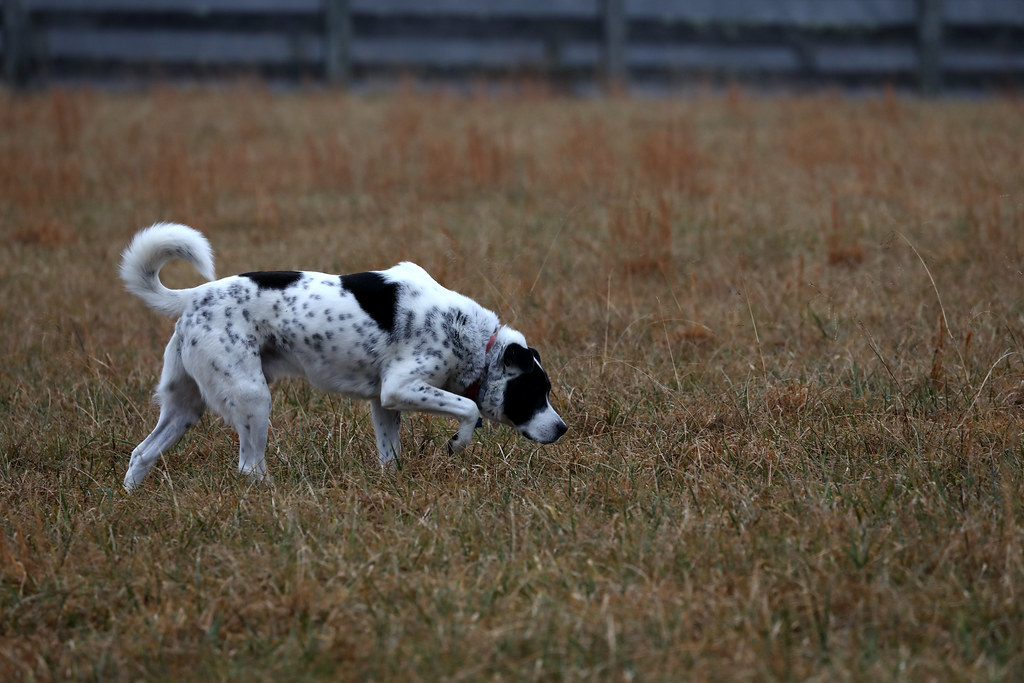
(387, 428)
(234, 386)
(252, 424)
(181, 406)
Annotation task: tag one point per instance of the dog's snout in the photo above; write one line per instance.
(549, 433)
(557, 431)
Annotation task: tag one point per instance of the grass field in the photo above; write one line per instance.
(786, 334)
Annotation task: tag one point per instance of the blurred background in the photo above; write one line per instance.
(931, 46)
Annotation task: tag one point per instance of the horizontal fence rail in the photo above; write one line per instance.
(929, 44)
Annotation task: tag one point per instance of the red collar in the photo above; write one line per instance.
(473, 390)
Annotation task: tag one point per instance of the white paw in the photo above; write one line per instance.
(462, 438)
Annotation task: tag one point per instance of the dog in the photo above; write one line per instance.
(394, 337)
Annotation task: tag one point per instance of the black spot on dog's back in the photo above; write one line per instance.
(375, 295)
(274, 279)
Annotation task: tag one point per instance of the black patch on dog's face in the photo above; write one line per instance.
(527, 394)
(274, 279)
(520, 357)
(375, 295)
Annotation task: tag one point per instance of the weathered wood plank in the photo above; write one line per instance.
(929, 37)
(184, 6)
(16, 43)
(338, 37)
(813, 13)
(176, 46)
(614, 28)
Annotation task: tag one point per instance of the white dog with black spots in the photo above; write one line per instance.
(394, 337)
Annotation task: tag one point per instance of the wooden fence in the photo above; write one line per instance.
(928, 44)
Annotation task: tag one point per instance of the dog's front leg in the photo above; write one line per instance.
(415, 394)
(387, 427)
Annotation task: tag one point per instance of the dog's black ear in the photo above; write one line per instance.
(518, 357)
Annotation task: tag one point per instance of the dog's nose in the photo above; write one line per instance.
(561, 429)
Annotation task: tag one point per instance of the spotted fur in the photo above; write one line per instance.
(395, 337)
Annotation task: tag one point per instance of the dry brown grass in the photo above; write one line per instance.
(785, 333)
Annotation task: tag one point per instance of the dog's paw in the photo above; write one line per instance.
(257, 475)
(132, 481)
(459, 441)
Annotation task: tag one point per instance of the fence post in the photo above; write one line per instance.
(929, 45)
(613, 20)
(338, 42)
(17, 41)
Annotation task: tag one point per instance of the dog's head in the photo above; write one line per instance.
(516, 393)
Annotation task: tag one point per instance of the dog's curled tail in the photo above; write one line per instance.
(150, 249)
